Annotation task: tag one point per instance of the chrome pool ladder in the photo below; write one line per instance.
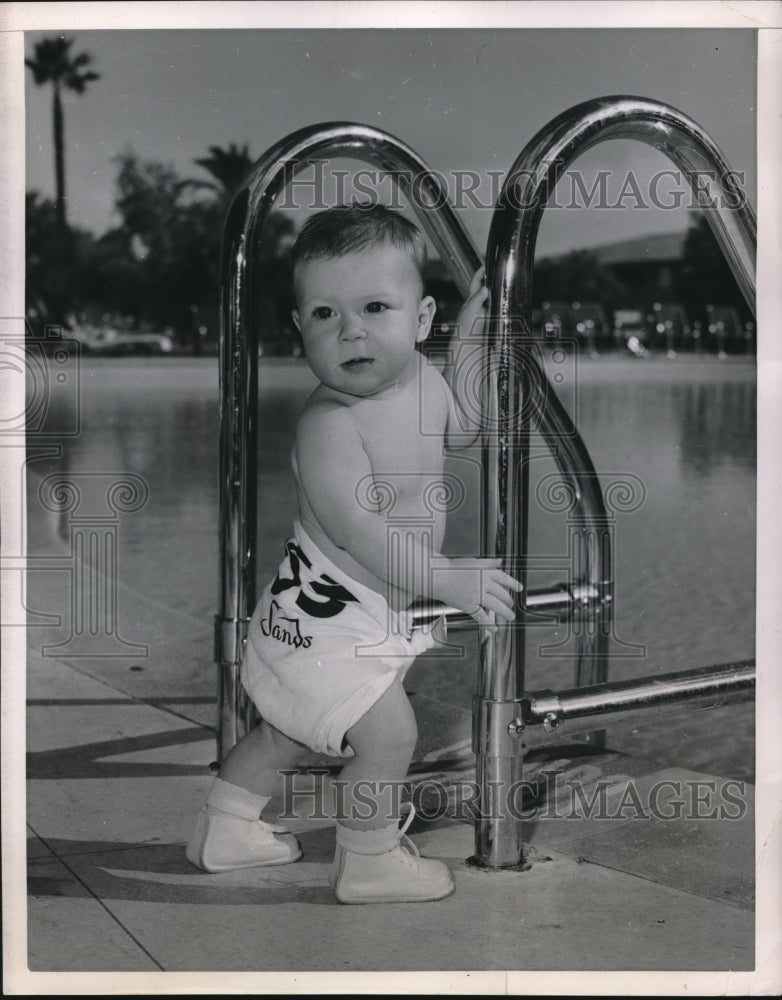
(520, 401)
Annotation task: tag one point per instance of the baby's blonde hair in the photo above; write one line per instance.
(347, 229)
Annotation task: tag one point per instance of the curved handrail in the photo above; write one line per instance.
(509, 264)
(509, 260)
(547, 155)
(239, 351)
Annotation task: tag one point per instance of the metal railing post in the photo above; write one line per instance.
(509, 263)
(239, 359)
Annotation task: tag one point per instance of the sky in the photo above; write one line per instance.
(464, 99)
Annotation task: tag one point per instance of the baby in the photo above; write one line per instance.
(330, 640)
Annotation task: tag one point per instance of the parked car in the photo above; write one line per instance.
(724, 330)
(631, 332)
(117, 343)
(669, 329)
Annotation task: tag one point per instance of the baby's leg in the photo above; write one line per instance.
(373, 862)
(229, 833)
(255, 762)
(383, 741)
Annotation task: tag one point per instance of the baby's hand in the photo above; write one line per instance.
(478, 587)
(472, 315)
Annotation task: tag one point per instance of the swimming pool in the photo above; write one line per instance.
(684, 559)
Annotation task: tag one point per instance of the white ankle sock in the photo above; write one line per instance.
(236, 801)
(368, 841)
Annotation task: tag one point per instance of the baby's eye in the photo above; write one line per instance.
(322, 312)
(376, 307)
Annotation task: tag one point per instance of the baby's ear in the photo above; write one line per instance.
(426, 311)
(295, 318)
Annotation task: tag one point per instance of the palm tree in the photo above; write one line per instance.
(54, 64)
(229, 167)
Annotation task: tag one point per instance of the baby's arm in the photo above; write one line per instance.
(465, 373)
(334, 471)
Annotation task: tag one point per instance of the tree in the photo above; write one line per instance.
(706, 277)
(54, 64)
(174, 239)
(577, 275)
(58, 261)
(229, 167)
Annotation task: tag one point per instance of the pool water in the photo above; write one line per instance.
(684, 559)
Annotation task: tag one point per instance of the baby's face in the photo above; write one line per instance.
(360, 317)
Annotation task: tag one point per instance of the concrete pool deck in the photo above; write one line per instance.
(116, 776)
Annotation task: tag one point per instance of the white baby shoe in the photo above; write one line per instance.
(223, 843)
(384, 866)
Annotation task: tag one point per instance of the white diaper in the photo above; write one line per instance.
(322, 648)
